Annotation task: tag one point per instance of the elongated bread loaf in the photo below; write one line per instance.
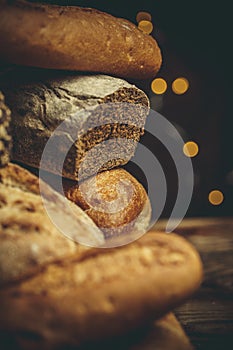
(28, 238)
(100, 119)
(106, 293)
(75, 38)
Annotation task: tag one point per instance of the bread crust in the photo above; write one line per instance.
(5, 134)
(114, 200)
(94, 112)
(28, 238)
(74, 38)
(105, 294)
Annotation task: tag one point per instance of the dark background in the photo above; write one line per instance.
(196, 39)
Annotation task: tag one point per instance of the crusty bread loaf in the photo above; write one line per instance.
(5, 137)
(104, 294)
(165, 334)
(100, 113)
(75, 38)
(28, 238)
(115, 201)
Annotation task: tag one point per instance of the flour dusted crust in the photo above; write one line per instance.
(107, 293)
(93, 109)
(28, 238)
(74, 38)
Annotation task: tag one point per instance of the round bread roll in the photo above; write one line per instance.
(74, 38)
(115, 201)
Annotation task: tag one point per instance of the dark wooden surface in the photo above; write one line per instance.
(208, 316)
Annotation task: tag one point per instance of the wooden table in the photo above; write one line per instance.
(208, 316)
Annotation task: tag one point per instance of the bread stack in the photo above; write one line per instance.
(56, 293)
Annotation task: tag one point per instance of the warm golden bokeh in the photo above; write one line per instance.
(216, 197)
(191, 149)
(145, 26)
(159, 86)
(142, 15)
(180, 86)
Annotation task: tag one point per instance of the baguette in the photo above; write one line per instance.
(28, 238)
(74, 38)
(107, 293)
(95, 109)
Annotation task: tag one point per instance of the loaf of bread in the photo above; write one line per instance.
(106, 293)
(99, 113)
(28, 238)
(115, 201)
(164, 334)
(74, 38)
(5, 137)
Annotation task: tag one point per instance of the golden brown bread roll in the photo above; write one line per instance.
(106, 293)
(115, 201)
(75, 38)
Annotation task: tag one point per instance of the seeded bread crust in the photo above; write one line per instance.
(5, 137)
(28, 238)
(74, 38)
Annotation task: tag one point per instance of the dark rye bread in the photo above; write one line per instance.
(28, 238)
(5, 137)
(74, 38)
(83, 101)
(107, 293)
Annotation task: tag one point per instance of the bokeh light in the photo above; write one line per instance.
(145, 26)
(159, 86)
(191, 149)
(142, 15)
(216, 197)
(180, 86)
